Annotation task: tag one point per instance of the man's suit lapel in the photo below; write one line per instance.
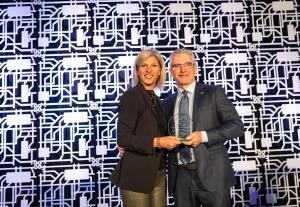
(199, 100)
(171, 106)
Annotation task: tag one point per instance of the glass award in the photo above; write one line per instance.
(180, 125)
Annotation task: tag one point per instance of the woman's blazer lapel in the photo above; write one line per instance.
(150, 105)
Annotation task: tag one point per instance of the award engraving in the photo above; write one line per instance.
(180, 125)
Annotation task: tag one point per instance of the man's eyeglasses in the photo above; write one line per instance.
(187, 65)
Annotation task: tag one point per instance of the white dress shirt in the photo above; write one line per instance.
(190, 93)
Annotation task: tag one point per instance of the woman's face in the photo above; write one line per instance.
(148, 72)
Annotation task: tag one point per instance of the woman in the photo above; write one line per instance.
(141, 126)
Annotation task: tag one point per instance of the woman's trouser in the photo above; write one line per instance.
(156, 198)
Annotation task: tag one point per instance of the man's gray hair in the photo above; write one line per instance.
(182, 51)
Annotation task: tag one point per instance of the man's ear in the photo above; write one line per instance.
(196, 69)
(172, 74)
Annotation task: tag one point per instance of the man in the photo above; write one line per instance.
(207, 176)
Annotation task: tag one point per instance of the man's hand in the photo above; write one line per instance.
(121, 151)
(167, 142)
(194, 139)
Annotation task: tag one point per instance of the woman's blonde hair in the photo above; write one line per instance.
(142, 56)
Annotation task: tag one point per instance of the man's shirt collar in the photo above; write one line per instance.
(190, 89)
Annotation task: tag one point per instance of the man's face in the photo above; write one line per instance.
(183, 69)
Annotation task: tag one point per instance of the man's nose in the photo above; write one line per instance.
(182, 69)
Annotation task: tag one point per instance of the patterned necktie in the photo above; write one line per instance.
(184, 151)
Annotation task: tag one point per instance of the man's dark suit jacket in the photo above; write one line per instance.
(215, 114)
(138, 124)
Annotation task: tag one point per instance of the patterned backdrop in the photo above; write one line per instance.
(65, 64)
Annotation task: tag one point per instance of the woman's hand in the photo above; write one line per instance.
(167, 142)
(121, 151)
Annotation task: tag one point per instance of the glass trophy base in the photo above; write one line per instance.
(183, 139)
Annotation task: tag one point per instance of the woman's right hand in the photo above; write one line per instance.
(121, 150)
(166, 142)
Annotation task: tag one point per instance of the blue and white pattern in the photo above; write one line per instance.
(64, 65)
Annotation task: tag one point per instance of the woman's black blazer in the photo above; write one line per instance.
(138, 124)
